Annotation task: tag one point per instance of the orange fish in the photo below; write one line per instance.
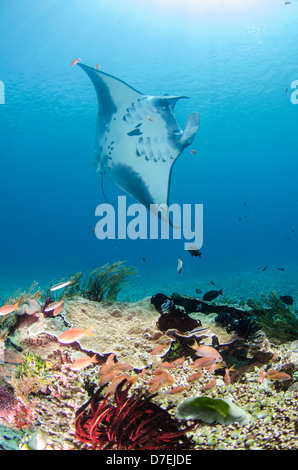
(116, 381)
(179, 389)
(74, 334)
(6, 309)
(203, 362)
(275, 375)
(75, 61)
(158, 349)
(227, 377)
(179, 361)
(194, 376)
(168, 365)
(54, 305)
(97, 66)
(104, 379)
(210, 385)
(57, 310)
(83, 362)
(110, 358)
(106, 369)
(207, 351)
(262, 376)
(123, 367)
(162, 378)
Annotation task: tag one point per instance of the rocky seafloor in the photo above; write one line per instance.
(47, 400)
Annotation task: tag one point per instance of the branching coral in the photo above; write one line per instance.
(133, 423)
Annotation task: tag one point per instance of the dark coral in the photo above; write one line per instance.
(244, 326)
(133, 423)
(172, 317)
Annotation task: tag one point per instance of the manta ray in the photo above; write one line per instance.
(138, 138)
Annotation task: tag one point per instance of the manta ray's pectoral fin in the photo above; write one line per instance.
(190, 129)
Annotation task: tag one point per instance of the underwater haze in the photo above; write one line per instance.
(237, 63)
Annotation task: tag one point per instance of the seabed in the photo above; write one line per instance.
(45, 394)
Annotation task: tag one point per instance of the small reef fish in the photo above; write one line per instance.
(227, 377)
(96, 66)
(6, 309)
(179, 361)
(149, 118)
(116, 381)
(57, 310)
(281, 269)
(38, 441)
(161, 378)
(193, 152)
(179, 267)
(274, 375)
(74, 334)
(168, 365)
(178, 389)
(194, 377)
(210, 385)
(207, 351)
(158, 349)
(61, 285)
(193, 250)
(212, 294)
(106, 378)
(54, 305)
(75, 61)
(83, 362)
(264, 269)
(203, 362)
(287, 299)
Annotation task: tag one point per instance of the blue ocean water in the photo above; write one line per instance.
(235, 62)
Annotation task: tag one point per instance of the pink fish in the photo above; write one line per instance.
(83, 362)
(6, 309)
(195, 376)
(207, 351)
(97, 66)
(178, 389)
(74, 334)
(158, 349)
(210, 385)
(54, 305)
(75, 61)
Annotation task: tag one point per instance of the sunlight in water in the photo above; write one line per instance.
(213, 8)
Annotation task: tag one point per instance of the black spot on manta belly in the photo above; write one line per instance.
(134, 132)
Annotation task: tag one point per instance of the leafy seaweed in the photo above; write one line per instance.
(211, 410)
